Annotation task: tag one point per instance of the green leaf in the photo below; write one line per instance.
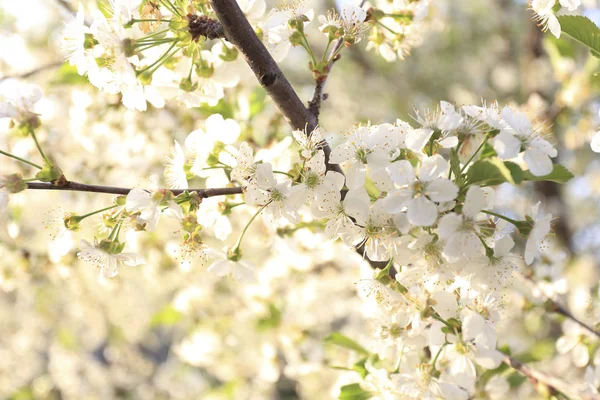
(354, 392)
(272, 320)
(361, 368)
(515, 171)
(67, 75)
(167, 316)
(494, 171)
(343, 341)
(559, 174)
(582, 30)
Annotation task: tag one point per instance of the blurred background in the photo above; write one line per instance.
(169, 329)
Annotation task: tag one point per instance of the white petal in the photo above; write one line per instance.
(221, 267)
(539, 163)
(441, 190)
(422, 211)
(474, 202)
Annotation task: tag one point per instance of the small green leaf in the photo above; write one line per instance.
(354, 392)
(360, 368)
(343, 341)
(582, 30)
(559, 174)
(487, 173)
(167, 316)
(515, 171)
(67, 75)
(50, 173)
(272, 320)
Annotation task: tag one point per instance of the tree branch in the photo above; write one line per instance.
(544, 382)
(82, 187)
(239, 32)
(554, 306)
(34, 71)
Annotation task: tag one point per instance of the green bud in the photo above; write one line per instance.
(205, 71)
(296, 38)
(89, 41)
(72, 222)
(187, 85)
(375, 14)
(190, 223)
(50, 173)
(120, 200)
(145, 77)
(111, 246)
(235, 254)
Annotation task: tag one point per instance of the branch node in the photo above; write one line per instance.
(201, 25)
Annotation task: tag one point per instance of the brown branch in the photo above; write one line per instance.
(554, 306)
(42, 68)
(239, 32)
(545, 383)
(82, 187)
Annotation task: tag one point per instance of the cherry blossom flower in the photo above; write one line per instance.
(18, 100)
(419, 192)
(152, 205)
(521, 134)
(102, 256)
(241, 270)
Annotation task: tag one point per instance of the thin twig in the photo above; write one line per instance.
(555, 306)
(547, 382)
(37, 70)
(82, 187)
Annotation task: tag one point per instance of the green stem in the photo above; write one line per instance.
(438, 355)
(443, 321)
(308, 49)
(325, 51)
(114, 234)
(283, 173)
(37, 144)
(134, 20)
(159, 62)
(96, 212)
(399, 362)
(239, 241)
(474, 154)
(169, 6)
(512, 221)
(20, 159)
(389, 29)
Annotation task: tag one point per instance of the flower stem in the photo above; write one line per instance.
(20, 159)
(474, 154)
(512, 221)
(37, 144)
(97, 212)
(283, 173)
(438, 355)
(239, 241)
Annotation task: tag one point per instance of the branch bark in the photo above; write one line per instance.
(239, 32)
(544, 382)
(82, 187)
(554, 306)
